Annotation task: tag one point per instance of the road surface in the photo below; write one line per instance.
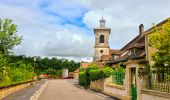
(66, 90)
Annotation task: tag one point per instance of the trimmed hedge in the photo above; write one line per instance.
(100, 74)
(83, 79)
(84, 75)
(93, 73)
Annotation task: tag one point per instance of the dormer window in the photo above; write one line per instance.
(132, 52)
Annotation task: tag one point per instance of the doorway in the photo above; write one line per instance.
(133, 84)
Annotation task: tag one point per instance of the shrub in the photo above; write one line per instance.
(100, 73)
(83, 79)
(93, 73)
(82, 69)
(92, 67)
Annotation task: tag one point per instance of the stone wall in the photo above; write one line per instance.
(97, 85)
(7, 90)
(117, 91)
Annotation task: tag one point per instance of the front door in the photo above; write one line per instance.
(133, 85)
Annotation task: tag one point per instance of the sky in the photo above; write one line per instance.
(64, 28)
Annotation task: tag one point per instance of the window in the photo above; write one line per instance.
(132, 51)
(101, 51)
(101, 39)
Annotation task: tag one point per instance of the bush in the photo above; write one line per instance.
(93, 73)
(100, 73)
(82, 69)
(83, 79)
(92, 67)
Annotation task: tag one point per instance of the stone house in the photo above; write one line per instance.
(136, 56)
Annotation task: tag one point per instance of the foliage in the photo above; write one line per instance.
(83, 79)
(167, 78)
(8, 36)
(53, 72)
(11, 70)
(4, 74)
(93, 73)
(119, 75)
(43, 65)
(82, 69)
(91, 67)
(15, 72)
(160, 40)
(100, 73)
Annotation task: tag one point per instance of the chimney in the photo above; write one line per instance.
(141, 29)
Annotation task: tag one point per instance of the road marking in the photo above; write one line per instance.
(38, 93)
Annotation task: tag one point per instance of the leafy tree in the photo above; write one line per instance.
(8, 36)
(160, 40)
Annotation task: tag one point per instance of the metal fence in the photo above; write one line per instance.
(160, 79)
(118, 78)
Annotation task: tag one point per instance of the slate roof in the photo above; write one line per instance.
(138, 43)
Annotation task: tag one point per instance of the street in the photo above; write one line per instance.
(66, 90)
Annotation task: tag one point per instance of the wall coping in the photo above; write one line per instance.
(112, 85)
(156, 93)
(10, 85)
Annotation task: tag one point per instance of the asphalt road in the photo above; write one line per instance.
(66, 90)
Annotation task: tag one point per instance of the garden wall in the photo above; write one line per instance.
(7, 90)
(97, 85)
(115, 90)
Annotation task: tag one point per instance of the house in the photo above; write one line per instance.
(139, 81)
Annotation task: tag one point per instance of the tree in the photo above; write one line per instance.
(160, 40)
(8, 36)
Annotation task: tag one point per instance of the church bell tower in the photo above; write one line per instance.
(101, 41)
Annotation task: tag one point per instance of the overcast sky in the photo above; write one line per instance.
(65, 27)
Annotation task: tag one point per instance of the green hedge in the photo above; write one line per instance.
(93, 73)
(100, 73)
(83, 79)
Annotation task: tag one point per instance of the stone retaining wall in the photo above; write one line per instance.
(7, 90)
(117, 91)
(97, 85)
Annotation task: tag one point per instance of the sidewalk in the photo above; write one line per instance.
(25, 93)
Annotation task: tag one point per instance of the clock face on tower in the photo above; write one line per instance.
(102, 23)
